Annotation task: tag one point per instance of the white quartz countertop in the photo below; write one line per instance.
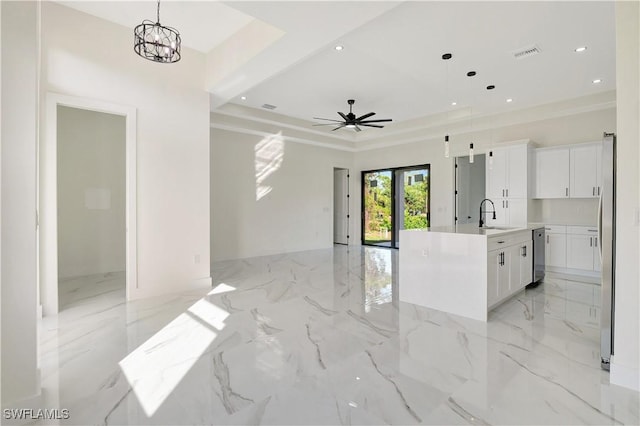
(473, 229)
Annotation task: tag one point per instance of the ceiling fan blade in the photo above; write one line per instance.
(376, 121)
(371, 125)
(327, 124)
(339, 127)
(343, 116)
(358, 129)
(362, 117)
(327, 119)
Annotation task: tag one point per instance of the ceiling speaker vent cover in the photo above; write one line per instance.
(526, 52)
(269, 106)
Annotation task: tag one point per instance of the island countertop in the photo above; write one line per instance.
(464, 270)
(472, 229)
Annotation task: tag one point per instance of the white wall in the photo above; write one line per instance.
(270, 195)
(91, 192)
(172, 137)
(625, 366)
(20, 378)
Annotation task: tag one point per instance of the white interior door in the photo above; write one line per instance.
(341, 206)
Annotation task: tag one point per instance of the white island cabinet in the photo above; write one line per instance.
(464, 270)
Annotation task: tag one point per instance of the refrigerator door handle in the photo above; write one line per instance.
(600, 223)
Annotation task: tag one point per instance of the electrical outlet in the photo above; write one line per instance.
(196, 259)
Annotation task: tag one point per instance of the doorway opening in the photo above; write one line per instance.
(87, 202)
(91, 190)
(469, 189)
(341, 206)
(392, 200)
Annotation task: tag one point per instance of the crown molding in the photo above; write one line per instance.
(415, 130)
(261, 133)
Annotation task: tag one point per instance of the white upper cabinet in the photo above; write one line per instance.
(585, 171)
(568, 171)
(552, 173)
(507, 176)
(496, 175)
(518, 167)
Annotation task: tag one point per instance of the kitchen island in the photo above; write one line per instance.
(464, 270)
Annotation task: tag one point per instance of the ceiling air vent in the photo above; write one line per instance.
(269, 106)
(526, 52)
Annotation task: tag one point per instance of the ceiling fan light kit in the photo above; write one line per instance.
(350, 121)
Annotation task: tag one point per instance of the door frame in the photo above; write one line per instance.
(393, 170)
(347, 203)
(48, 194)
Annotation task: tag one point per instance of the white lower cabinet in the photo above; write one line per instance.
(583, 248)
(497, 276)
(555, 248)
(509, 266)
(575, 249)
(526, 263)
(579, 251)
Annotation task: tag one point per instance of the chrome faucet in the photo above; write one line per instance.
(481, 223)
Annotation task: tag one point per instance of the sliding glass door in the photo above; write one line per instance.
(377, 207)
(393, 200)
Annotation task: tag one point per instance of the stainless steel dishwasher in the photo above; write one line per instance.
(538, 256)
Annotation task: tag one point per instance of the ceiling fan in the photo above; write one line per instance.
(350, 120)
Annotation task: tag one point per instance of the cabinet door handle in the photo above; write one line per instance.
(598, 190)
(506, 192)
(503, 201)
(566, 192)
(595, 241)
(507, 201)
(590, 241)
(547, 239)
(503, 192)
(593, 191)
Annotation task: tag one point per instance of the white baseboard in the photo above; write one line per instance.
(34, 402)
(621, 375)
(574, 274)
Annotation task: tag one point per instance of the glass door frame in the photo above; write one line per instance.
(393, 170)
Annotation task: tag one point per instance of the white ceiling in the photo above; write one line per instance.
(203, 25)
(392, 64)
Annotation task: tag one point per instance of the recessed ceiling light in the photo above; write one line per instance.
(581, 49)
(509, 100)
(339, 47)
(596, 81)
(454, 103)
(244, 98)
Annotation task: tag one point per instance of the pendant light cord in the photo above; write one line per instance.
(158, 13)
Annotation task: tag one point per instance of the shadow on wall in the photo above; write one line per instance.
(269, 155)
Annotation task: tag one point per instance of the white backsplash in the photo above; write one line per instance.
(576, 211)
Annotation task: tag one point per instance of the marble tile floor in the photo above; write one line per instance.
(319, 337)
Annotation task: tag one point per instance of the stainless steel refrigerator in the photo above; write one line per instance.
(607, 234)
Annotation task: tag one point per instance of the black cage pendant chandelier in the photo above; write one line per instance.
(156, 42)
